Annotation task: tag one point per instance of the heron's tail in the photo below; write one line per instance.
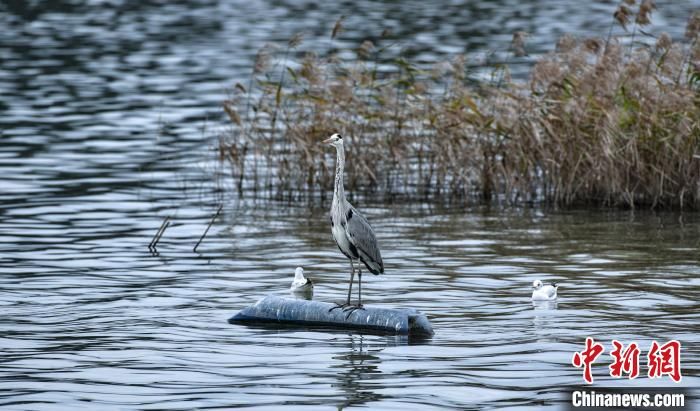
(374, 267)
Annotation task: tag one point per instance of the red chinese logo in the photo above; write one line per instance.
(586, 358)
(626, 361)
(665, 360)
(661, 360)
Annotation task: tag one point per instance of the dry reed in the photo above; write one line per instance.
(597, 123)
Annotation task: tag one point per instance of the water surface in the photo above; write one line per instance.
(107, 116)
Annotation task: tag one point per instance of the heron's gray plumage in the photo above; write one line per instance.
(361, 235)
(350, 228)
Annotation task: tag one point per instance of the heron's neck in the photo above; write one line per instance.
(339, 192)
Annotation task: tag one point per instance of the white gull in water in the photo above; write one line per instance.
(300, 283)
(541, 292)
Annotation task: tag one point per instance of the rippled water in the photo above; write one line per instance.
(106, 115)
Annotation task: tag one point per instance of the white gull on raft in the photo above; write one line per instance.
(541, 292)
(301, 284)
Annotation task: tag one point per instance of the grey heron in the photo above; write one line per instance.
(351, 230)
(541, 292)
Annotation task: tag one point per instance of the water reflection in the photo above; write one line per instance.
(358, 373)
(545, 321)
(107, 115)
(544, 305)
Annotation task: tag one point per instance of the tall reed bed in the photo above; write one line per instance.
(598, 122)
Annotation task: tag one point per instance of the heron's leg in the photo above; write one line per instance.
(352, 276)
(359, 287)
(352, 308)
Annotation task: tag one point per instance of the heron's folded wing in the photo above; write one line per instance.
(361, 235)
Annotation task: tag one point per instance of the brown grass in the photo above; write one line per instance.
(597, 123)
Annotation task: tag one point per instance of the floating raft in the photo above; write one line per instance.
(273, 309)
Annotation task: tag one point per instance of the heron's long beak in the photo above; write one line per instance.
(326, 141)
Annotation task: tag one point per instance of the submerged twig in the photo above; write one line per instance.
(156, 237)
(218, 211)
(161, 234)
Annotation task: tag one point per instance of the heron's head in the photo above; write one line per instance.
(299, 273)
(537, 284)
(336, 140)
